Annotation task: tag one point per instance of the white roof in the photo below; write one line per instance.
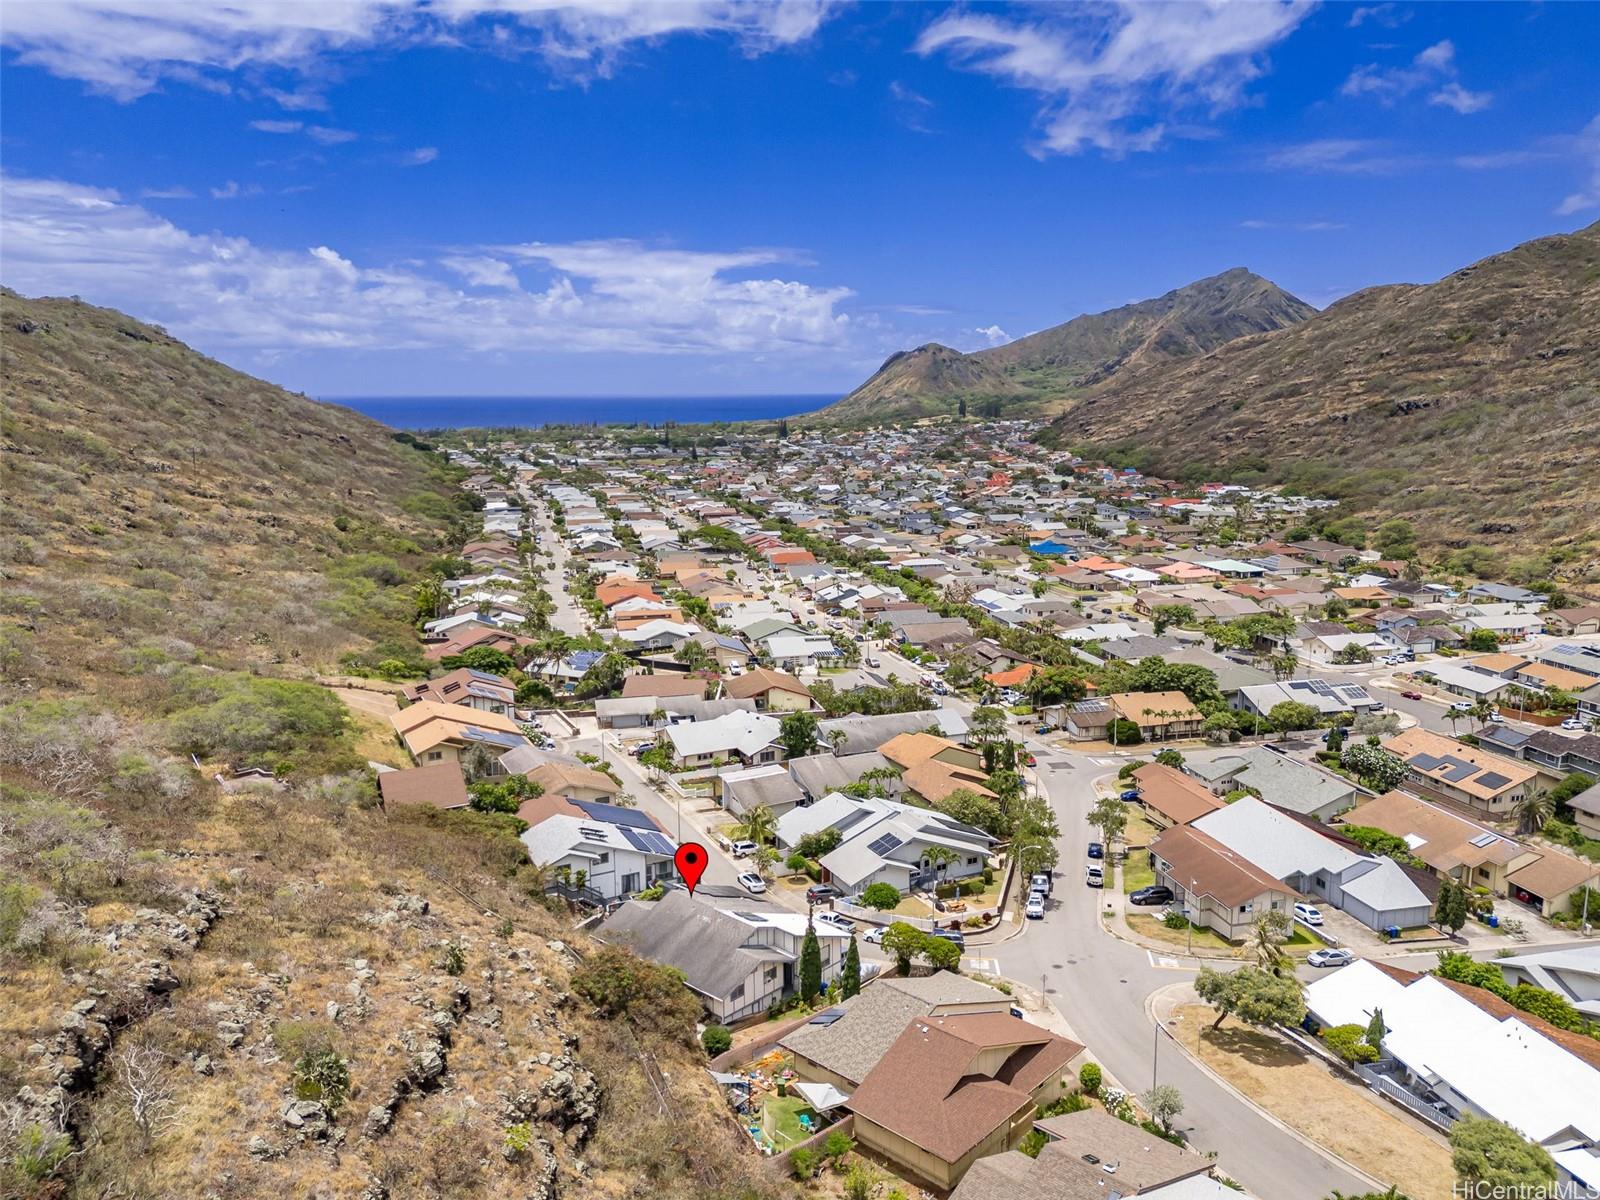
(746, 732)
(784, 645)
(1278, 844)
(1133, 575)
(799, 821)
(1234, 566)
(1503, 1067)
(1387, 889)
(1105, 631)
(659, 628)
(1476, 682)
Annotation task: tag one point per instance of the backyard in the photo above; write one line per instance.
(1305, 1094)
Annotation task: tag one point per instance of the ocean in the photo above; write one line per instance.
(457, 412)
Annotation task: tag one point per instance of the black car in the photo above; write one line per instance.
(822, 893)
(1096, 850)
(1151, 895)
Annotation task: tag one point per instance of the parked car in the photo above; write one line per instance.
(1155, 894)
(822, 893)
(1462, 706)
(874, 662)
(1309, 913)
(1130, 794)
(1034, 909)
(1496, 719)
(1329, 958)
(742, 849)
(874, 936)
(1094, 875)
(1096, 850)
(837, 920)
(1032, 761)
(1042, 882)
(950, 935)
(751, 882)
(1572, 723)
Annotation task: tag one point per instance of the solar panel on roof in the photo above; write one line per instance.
(1425, 762)
(1492, 780)
(1459, 771)
(614, 814)
(884, 843)
(1485, 839)
(826, 1018)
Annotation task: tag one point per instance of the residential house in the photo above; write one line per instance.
(1441, 768)
(1091, 1155)
(1329, 698)
(1450, 845)
(864, 734)
(440, 786)
(1566, 622)
(951, 1090)
(1461, 1051)
(934, 767)
(1171, 797)
(739, 958)
(1572, 973)
(841, 1045)
(772, 691)
(1373, 889)
(1585, 808)
(433, 732)
(751, 738)
(769, 786)
(1219, 889)
(818, 774)
(1159, 715)
(1279, 780)
(464, 686)
(667, 684)
(575, 781)
(619, 851)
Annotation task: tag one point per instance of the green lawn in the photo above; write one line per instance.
(1137, 871)
(782, 1122)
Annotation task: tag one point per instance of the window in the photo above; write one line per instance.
(1244, 908)
(972, 862)
(771, 974)
(737, 993)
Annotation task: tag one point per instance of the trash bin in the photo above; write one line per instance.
(1493, 921)
(1392, 932)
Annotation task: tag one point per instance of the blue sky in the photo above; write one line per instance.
(709, 197)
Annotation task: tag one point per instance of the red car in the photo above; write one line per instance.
(1412, 695)
(1032, 762)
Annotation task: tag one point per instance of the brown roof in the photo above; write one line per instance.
(1216, 871)
(553, 776)
(1438, 749)
(1552, 873)
(925, 1088)
(1147, 708)
(762, 680)
(440, 785)
(1143, 1162)
(665, 684)
(1178, 797)
(1447, 839)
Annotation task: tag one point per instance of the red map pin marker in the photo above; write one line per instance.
(691, 861)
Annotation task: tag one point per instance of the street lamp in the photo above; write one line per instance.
(1193, 883)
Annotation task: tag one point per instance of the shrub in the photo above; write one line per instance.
(1073, 1101)
(1349, 1043)
(322, 1074)
(796, 862)
(1032, 1142)
(837, 1144)
(803, 1163)
(716, 1040)
(881, 896)
(452, 959)
(859, 1181)
(1090, 1077)
(617, 982)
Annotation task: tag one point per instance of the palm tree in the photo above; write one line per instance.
(1533, 810)
(1481, 710)
(1270, 931)
(430, 597)
(940, 857)
(760, 826)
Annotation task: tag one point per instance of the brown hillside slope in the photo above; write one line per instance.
(1037, 373)
(1471, 405)
(187, 971)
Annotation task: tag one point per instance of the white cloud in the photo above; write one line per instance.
(612, 296)
(419, 157)
(911, 107)
(232, 190)
(1587, 145)
(1434, 69)
(1295, 226)
(328, 136)
(993, 334)
(1336, 156)
(177, 192)
(1387, 15)
(276, 126)
(127, 48)
(1121, 76)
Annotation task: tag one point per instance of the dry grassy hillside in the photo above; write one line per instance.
(1471, 405)
(279, 991)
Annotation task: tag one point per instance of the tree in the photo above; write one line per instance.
(1353, 653)
(1167, 615)
(1483, 640)
(815, 845)
(760, 825)
(1170, 758)
(145, 1082)
(1055, 685)
(1349, 1043)
(1483, 1151)
(1533, 810)
(941, 953)
(1254, 996)
(604, 677)
(693, 655)
(1033, 844)
(1267, 936)
(1163, 1102)
(1283, 665)
(1376, 767)
(966, 806)
(1376, 1030)
(1123, 732)
(1289, 715)
(1450, 908)
(716, 1040)
(1110, 816)
(881, 896)
(810, 965)
(481, 658)
(988, 724)
(1090, 1077)
(940, 857)
(904, 942)
(797, 733)
(430, 598)
(850, 979)
(502, 794)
